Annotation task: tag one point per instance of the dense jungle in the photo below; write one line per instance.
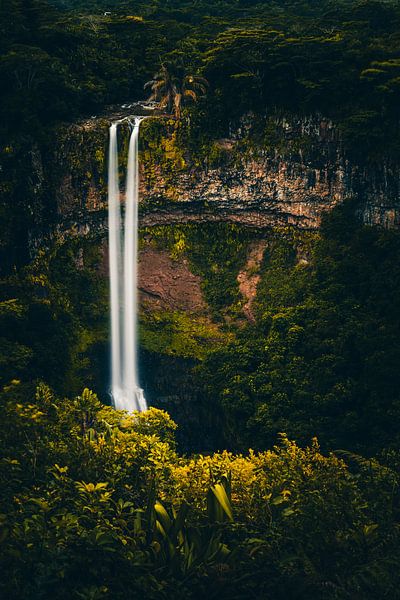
(267, 465)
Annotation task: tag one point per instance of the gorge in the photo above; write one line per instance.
(298, 171)
(252, 197)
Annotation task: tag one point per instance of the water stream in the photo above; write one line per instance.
(126, 392)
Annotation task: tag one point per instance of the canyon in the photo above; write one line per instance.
(290, 176)
(210, 216)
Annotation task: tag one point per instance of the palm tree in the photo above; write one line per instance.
(194, 87)
(171, 92)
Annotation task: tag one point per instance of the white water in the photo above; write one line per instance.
(125, 389)
(114, 255)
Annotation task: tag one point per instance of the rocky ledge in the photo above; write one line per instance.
(293, 176)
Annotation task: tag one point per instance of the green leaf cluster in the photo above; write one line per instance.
(96, 503)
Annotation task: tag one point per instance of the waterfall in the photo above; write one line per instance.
(133, 392)
(114, 253)
(125, 389)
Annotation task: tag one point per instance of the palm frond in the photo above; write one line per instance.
(202, 80)
(190, 94)
(159, 84)
(199, 87)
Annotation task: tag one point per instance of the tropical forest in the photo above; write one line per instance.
(200, 300)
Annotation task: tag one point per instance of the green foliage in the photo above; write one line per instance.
(96, 502)
(216, 252)
(155, 422)
(60, 61)
(180, 334)
(54, 319)
(322, 357)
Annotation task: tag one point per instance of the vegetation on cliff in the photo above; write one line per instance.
(320, 358)
(338, 58)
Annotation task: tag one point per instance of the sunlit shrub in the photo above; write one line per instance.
(88, 492)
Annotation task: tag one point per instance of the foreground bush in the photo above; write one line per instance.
(98, 504)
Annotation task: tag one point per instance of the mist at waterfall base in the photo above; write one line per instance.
(126, 392)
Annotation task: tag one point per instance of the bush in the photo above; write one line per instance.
(80, 516)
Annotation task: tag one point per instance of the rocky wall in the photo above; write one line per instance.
(294, 173)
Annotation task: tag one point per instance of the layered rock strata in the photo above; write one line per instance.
(292, 177)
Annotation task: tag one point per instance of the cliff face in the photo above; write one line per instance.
(267, 174)
(167, 284)
(199, 282)
(294, 173)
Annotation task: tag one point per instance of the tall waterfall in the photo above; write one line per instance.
(125, 389)
(114, 254)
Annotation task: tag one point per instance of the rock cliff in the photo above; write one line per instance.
(199, 281)
(291, 175)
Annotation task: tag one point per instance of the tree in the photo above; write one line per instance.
(171, 92)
